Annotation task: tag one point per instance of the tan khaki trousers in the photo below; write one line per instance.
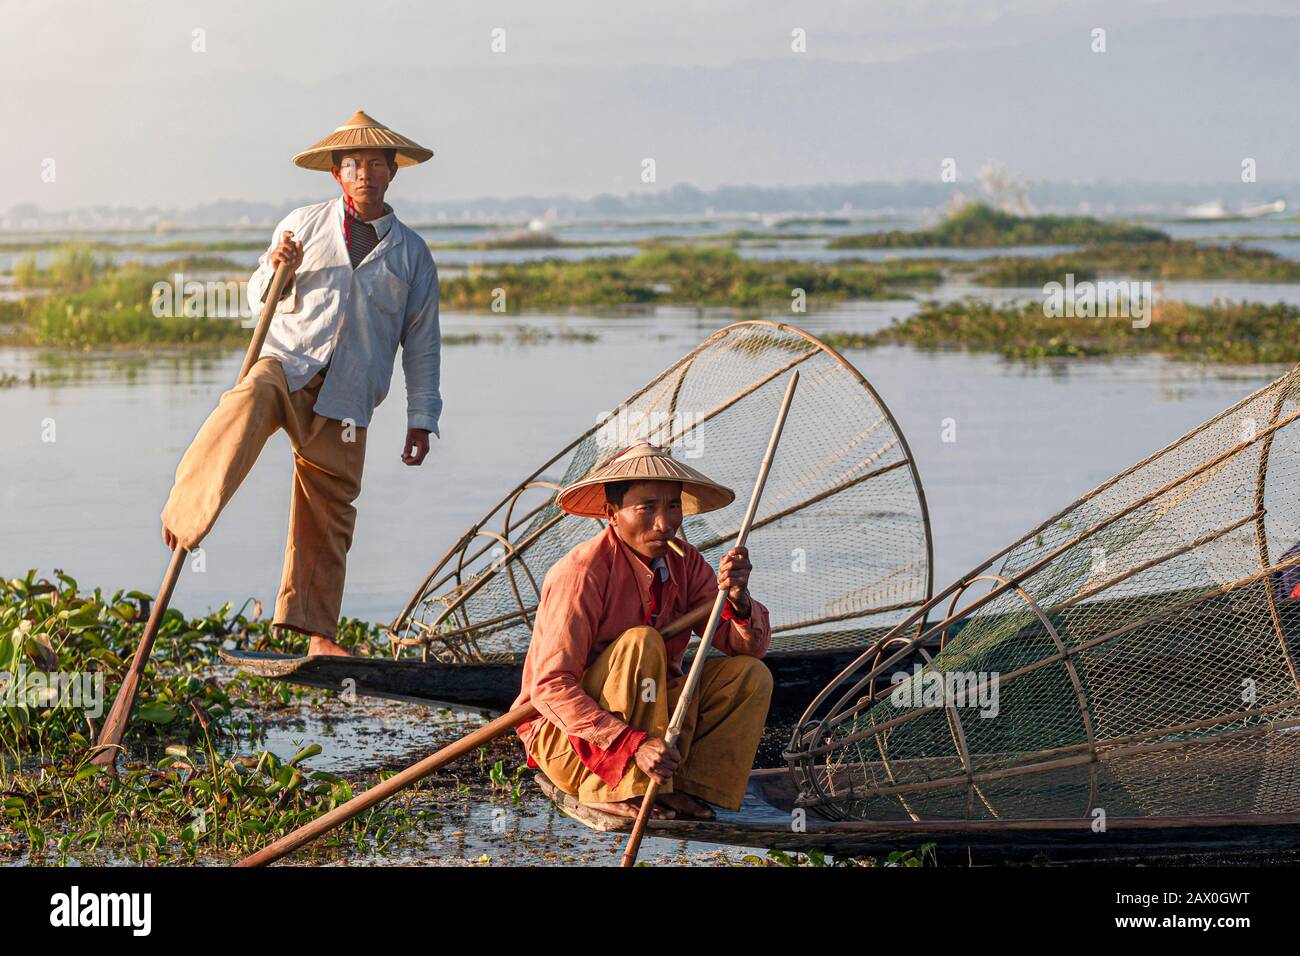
(328, 458)
(724, 722)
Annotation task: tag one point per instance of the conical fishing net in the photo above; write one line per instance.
(1133, 656)
(840, 544)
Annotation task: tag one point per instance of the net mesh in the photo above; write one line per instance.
(1134, 656)
(840, 544)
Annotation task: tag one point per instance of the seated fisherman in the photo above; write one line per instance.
(603, 678)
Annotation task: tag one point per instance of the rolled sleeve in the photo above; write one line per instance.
(422, 351)
(610, 765)
(750, 637)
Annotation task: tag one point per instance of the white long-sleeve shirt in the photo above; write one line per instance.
(354, 320)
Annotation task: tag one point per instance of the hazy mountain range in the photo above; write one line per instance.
(849, 200)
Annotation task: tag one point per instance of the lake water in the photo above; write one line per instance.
(457, 259)
(1030, 439)
(1280, 236)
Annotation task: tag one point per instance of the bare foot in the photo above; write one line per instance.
(630, 808)
(688, 807)
(322, 646)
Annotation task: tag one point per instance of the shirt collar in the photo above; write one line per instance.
(380, 225)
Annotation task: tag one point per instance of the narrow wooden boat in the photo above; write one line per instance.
(798, 673)
(494, 685)
(769, 820)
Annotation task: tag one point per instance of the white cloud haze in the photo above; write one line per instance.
(114, 94)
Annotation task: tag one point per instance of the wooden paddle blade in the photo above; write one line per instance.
(638, 829)
(110, 735)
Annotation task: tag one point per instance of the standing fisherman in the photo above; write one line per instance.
(360, 283)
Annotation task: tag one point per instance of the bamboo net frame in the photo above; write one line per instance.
(844, 462)
(1134, 656)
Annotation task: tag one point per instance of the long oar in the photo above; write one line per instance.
(110, 736)
(706, 639)
(380, 792)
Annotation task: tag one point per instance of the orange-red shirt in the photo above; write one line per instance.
(591, 596)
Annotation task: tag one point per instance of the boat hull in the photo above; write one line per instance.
(797, 677)
(767, 821)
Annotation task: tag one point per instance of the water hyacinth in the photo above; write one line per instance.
(193, 795)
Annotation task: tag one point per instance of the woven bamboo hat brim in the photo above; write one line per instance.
(361, 132)
(644, 462)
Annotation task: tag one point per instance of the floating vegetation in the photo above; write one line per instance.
(115, 311)
(976, 225)
(94, 302)
(760, 237)
(1233, 333)
(525, 240)
(32, 379)
(72, 266)
(704, 276)
(191, 790)
(179, 245)
(520, 240)
(202, 262)
(924, 855)
(520, 335)
(1157, 260)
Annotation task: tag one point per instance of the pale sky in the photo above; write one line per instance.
(117, 97)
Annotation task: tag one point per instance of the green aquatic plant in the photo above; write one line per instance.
(976, 225)
(193, 800)
(1148, 260)
(182, 788)
(65, 653)
(116, 310)
(923, 855)
(662, 274)
(115, 307)
(1227, 332)
(73, 265)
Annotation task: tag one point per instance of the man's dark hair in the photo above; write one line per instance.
(336, 157)
(615, 490)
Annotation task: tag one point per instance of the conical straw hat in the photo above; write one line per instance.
(644, 462)
(361, 132)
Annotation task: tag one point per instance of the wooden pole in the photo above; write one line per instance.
(380, 792)
(278, 282)
(706, 639)
(110, 735)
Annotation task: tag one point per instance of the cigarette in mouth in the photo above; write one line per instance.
(676, 548)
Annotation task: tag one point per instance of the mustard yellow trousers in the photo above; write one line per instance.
(720, 736)
(328, 459)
